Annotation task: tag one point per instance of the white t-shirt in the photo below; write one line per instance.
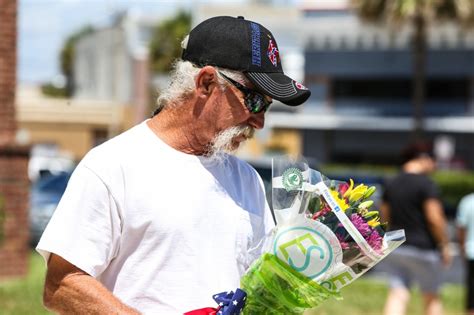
(161, 229)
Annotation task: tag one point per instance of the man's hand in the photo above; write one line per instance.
(69, 290)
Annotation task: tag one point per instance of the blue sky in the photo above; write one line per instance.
(44, 24)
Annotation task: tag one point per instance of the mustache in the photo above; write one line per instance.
(247, 131)
(224, 140)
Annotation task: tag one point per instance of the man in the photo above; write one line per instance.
(411, 202)
(158, 219)
(465, 224)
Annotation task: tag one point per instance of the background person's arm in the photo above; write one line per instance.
(436, 219)
(69, 290)
(385, 213)
(462, 239)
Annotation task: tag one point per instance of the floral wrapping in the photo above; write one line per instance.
(327, 235)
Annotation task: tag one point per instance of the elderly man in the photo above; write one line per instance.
(159, 218)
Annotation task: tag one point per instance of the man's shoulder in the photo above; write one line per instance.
(467, 203)
(468, 198)
(110, 153)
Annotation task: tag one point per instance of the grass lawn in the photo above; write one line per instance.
(24, 296)
(363, 297)
(367, 296)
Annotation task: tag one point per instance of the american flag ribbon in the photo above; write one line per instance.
(272, 53)
(230, 303)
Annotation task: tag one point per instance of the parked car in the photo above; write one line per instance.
(45, 194)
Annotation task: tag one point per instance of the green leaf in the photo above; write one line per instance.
(165, 45)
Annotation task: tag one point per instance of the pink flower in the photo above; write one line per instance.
(325, 210)
(344, 244)
(361, 225)
(343, 188)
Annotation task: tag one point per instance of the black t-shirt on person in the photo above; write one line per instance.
(405, 195)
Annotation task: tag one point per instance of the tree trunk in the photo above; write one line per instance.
(419, 74)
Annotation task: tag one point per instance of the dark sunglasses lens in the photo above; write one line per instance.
(255, 103)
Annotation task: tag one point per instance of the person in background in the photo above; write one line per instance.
(465, 227)
(411, 202)
(160, 218)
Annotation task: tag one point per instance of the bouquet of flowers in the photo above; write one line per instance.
(327, 235)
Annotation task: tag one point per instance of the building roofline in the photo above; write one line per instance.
(316, 121)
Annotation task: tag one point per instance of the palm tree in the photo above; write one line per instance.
(419, 13)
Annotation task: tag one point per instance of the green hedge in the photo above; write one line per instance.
(454, 184)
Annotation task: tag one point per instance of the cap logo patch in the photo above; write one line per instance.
(300, 86)
(273, 53)
(256, 57)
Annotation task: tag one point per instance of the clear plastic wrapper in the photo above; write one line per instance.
(327, 235)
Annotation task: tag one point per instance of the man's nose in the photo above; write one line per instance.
(257, 121)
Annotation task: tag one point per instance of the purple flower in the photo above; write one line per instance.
(361, 225)
(375, 240)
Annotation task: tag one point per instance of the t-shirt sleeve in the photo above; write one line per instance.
(430, 189)
(85, 228)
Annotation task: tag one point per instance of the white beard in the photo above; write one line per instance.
(224, 141)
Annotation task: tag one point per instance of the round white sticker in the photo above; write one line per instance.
(309, 247)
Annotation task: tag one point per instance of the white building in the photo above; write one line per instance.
(112, 63)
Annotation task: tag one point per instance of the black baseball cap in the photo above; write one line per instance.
(246, 46)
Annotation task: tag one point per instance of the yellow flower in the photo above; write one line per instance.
(358, 192)
(349, 190)
(374, 222)
(340, 201)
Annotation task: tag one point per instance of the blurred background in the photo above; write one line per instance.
(76, 73)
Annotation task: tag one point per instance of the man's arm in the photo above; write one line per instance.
(434, 214)
(69, 290)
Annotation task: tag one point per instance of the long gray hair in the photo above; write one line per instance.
(183, 83)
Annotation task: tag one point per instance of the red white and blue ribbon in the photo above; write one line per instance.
(230, 303)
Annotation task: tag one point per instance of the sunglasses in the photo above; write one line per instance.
(253, 100)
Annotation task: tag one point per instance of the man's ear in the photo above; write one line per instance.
(206, 81)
